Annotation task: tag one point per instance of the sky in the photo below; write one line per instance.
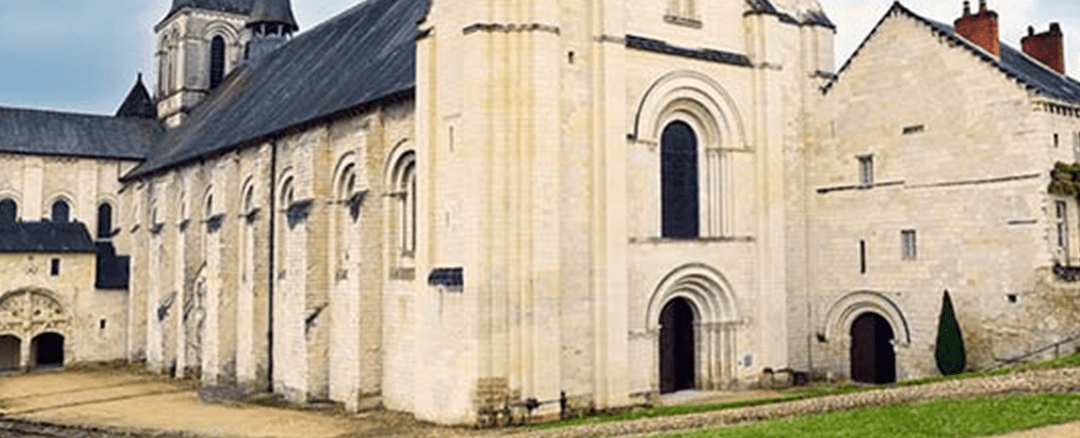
(83, 56)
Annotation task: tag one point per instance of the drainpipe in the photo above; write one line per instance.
(271, 214)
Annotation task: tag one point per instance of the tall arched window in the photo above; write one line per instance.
(217, 61)
(407, 189)
(8, 210)
(104, 221)
(679, 181)
(60, 211)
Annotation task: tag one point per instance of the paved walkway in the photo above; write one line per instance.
(1069, 430)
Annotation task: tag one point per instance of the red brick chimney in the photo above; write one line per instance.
(981, 28)
(1048, 47)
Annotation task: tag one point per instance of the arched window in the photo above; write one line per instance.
(407, 190)
(8, 210)
(679, 181)
(60, 211)
(104, 221)
(287, 194)
(217, 61)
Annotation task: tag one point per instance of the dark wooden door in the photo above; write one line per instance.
(9, 353)
(676, 346)
(872, 357)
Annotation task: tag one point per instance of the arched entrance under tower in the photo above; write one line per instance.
(48, 350)
(677, 346)
(873, 359)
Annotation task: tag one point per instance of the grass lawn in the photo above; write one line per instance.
(800, 393)
(938, 419)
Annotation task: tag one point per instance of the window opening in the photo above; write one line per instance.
(679, 182)
(60, 211)
(54, 267)
(104, 221)
(217, 61)
(907, 244)
(8, 210)
(1062, 225)
(866, 170)
(862, 256)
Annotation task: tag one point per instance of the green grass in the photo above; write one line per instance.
(800, 393)
(938, 419)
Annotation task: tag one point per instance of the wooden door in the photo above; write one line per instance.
(872, 357)
(677, 347)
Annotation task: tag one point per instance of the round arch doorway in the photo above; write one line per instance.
(873, 359)
(48, 350)
(677, 352)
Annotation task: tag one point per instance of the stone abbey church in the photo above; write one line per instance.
(454, 208)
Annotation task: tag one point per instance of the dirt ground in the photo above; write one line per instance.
(126, 399)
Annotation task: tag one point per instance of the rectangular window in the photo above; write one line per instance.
(862, 256)
(1056, 141)
(907, 245)
(866, 170)
(1062, 225)
(54, 267)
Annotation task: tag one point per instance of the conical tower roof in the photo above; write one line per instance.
(242, 7)
(138, 103)
(273, 12)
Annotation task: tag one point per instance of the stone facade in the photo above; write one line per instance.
(500, 237)
(35, 299)
(961, 157)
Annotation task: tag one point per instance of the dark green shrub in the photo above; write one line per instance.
(949, 350)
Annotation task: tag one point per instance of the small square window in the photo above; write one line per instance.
(54, 267)
(907, 245)
(866, 170)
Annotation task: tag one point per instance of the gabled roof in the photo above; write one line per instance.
(242, 7)
(38, 132)
(1013, 63)
(792, 11)
(53, 237)
(138, 103)
(363, 55)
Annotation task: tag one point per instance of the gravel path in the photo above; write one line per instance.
(1032, 381)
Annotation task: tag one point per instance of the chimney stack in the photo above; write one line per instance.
(980, 28)
(1048, 47)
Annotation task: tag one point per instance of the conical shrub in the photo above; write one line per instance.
(949, 350)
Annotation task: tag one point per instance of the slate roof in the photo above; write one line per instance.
(1013, 63)
(52, 237)
(363, 55)
(234, 6)
(39, 132)
(138, 103)
(792, 11)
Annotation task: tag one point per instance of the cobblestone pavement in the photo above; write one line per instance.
(133, 414)
(1033, 381)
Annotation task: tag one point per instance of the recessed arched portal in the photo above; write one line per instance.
(677, 346)
(9, 352)
(48, 350)
(873, 359)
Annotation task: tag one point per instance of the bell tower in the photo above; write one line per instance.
(271, 24)
(198, 43)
